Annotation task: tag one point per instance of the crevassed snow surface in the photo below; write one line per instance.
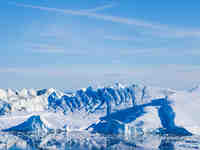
(116, 110)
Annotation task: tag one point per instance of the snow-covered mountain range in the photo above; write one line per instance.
(128, 110)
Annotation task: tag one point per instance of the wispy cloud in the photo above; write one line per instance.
(41, 48)
(98, 8)
(160, 75)
(53, 49)
(151, 51)
(161, 30)
(114, 19)
(173, 33)
(120, 38)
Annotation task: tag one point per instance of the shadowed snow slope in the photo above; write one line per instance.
(34, 124)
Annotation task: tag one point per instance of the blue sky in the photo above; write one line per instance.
(75, 43)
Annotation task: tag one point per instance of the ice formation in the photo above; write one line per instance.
(128, 110)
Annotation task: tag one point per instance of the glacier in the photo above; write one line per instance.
(123, 110)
